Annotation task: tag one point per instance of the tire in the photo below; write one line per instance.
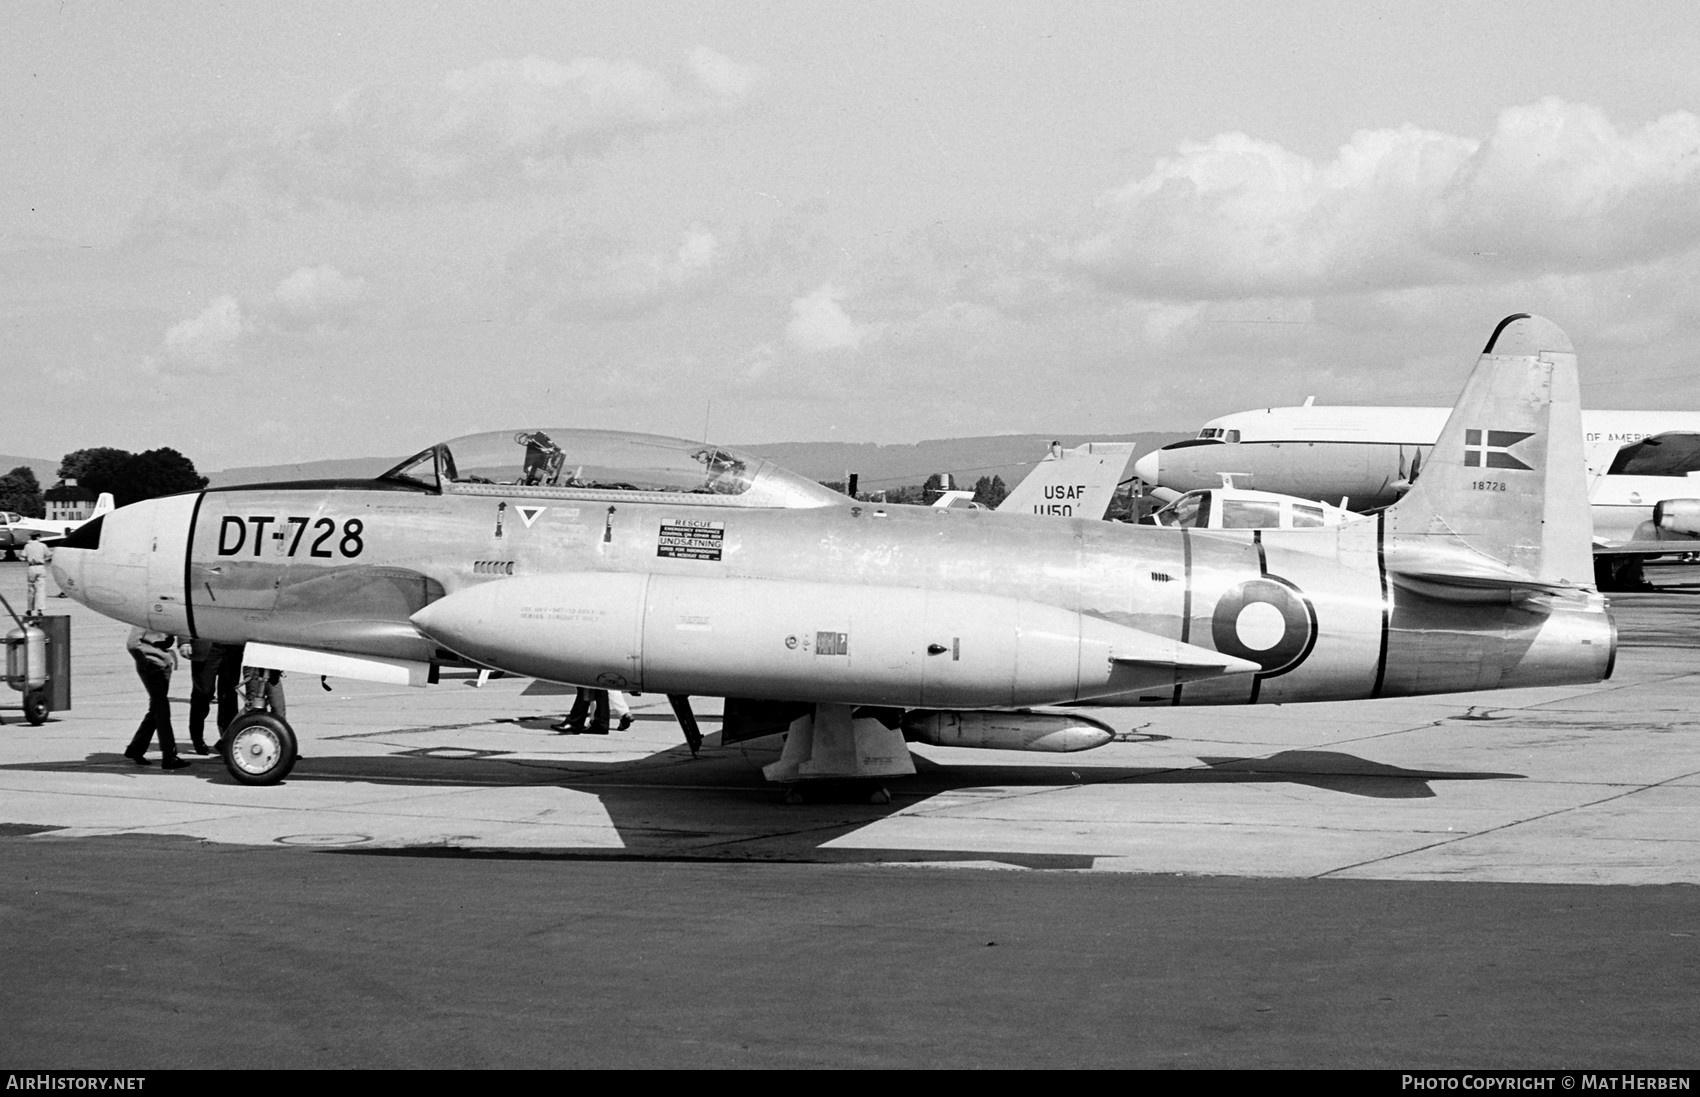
(35, 706)
(259, 749)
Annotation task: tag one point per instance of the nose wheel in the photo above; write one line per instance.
(259, 749)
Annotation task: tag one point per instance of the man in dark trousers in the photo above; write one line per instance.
(215, 673)
(582, 707)
(155, 659)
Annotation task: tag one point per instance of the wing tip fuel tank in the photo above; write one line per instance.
(783, 639)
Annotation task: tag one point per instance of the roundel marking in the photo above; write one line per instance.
(1266, 621)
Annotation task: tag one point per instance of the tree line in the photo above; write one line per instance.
(130, 477)
(989, 491)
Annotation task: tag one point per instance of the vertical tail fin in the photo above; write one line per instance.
(102, 505)
(1072, 483)
(1502, 502)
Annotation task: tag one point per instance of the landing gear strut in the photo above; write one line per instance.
(259, 746)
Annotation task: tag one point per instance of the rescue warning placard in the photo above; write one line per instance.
(690, 539)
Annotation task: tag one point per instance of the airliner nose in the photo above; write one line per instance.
(1146, 468)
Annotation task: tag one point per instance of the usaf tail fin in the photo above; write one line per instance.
(1072, 483)
(1501, 507)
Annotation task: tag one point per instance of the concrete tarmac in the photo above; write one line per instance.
(1494, 879)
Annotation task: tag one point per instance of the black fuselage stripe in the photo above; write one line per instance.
(1262, 569)
(1360, 442)
(188, 566)
(1186, 597)
(1386, 603)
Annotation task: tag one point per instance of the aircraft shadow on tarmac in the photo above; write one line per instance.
(670, 806)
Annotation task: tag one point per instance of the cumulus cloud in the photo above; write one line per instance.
(819, 323)
(312, 299)
(585, 274)
(203, 343)
(1554, 186)
(315, 298)
(501, 124)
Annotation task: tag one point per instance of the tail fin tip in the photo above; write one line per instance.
(1522, 334)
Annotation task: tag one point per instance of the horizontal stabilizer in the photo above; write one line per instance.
(1457, 576)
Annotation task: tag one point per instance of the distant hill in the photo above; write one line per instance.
(346, 468)
(1010, 456)
(45, 471)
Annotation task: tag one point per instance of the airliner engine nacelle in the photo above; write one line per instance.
(823, 642)
(1677, 516)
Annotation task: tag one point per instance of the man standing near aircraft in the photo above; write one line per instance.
(152, 651)
(592, 703)
(36, 557)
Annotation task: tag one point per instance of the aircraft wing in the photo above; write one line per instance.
(48, 530)
(43, 527)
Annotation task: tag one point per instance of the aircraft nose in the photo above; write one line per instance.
(128, 563)
(1146, 468)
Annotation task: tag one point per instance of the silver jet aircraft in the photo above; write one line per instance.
(650, 564)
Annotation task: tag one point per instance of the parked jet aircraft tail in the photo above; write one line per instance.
(1501, 508)
(1071, 483)
(23, 529)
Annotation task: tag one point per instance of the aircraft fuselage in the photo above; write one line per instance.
(739, 601)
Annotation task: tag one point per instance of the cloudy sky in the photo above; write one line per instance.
(273, 232)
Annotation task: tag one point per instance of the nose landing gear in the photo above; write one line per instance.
(259, 749)
(259, 746)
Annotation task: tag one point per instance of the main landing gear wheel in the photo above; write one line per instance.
(259, 749)
(35, 706)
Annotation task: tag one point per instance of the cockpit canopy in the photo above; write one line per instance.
(561, 462)
(1212, 509)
